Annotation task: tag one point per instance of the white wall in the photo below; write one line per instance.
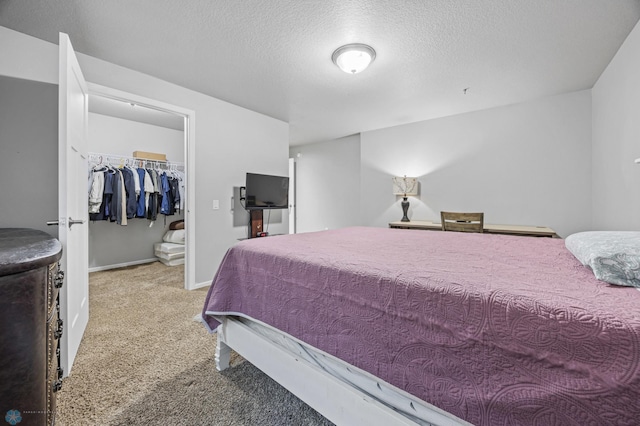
(119, 136)
(110, 243)
(525, 164)
(229, 140)
(27, 57)
(28, 154)
(616, 140)
(327, 184)
(566, 162)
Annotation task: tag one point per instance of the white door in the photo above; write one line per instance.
(72, 201)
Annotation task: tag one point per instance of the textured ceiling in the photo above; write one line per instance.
(274, 56)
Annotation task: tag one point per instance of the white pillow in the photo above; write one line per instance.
(176, 236)
(613, 256)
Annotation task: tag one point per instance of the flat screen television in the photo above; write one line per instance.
(266, 192)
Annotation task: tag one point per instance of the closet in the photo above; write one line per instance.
(117, 129)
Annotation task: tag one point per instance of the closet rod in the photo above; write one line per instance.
(125, 159)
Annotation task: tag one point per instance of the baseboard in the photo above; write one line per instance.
(122, 265)
(208, 283)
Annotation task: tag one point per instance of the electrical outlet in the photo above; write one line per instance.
(216, 204)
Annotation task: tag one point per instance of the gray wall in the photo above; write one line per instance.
(111, 244)
(28, 154)
(328, 184)
(526, 164)
(566, 162)
(616, 140)
(29, 168)
(229, 140)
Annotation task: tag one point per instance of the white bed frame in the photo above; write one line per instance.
(339, 402)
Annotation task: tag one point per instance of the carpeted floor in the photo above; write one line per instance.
(145, 361)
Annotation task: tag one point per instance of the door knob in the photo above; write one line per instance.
(75, 222)
(64, 222)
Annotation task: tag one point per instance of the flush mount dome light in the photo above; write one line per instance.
(353, 58)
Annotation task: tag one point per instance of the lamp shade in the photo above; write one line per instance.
(405, 186)
(353, 58)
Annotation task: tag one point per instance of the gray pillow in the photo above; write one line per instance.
(613, 256)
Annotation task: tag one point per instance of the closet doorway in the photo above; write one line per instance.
(172, 129)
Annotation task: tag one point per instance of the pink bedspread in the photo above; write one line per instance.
(497, 330)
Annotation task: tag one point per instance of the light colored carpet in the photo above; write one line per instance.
(144, 361)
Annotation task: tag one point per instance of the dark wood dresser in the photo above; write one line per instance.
(30, 326)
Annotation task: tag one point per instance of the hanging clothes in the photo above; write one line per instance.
(117, 202)
(174, 183)
(167, 206)
(142, 196)
(130, 203)
(181, 188)
(97, 190)
(107, 193)
(152, 207)
(123, 193)
(136, 181)
(109, 184)
(148, 190)
(115, 206)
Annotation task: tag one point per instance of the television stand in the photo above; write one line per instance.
(255, 223)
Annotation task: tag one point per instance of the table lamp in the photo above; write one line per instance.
(405, 186)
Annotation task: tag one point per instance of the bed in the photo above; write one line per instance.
(388, 326)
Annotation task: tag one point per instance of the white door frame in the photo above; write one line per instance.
(292, 196)
(189, 155)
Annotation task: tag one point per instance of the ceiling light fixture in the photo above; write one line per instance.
(353, 58)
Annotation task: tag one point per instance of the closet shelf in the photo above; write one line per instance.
(116, 160)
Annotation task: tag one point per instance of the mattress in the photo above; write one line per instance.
(494, 329)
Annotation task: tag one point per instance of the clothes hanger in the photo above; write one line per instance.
(98, 166)
(110, 167)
